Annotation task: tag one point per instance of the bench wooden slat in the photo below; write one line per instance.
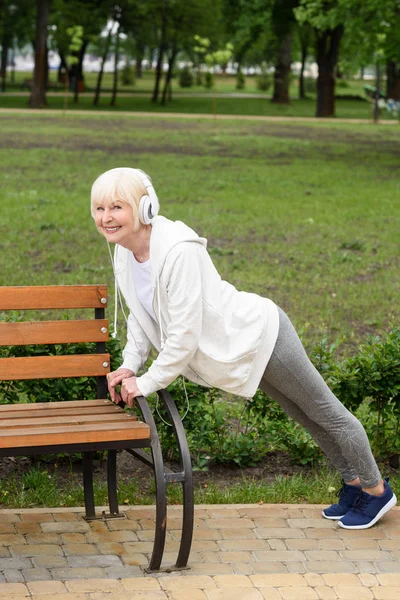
(48, 421)
(69, 404)
(53, 436)
(52, 296)
(70, 412)
(49, 367)
(53, 332)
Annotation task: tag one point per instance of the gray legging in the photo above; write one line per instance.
(294, 383)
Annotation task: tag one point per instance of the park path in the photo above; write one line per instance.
(195, 116)
(240, 552)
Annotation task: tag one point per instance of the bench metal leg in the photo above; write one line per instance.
(186, 478)
(161, 497)
(112, 482)
(88, 484)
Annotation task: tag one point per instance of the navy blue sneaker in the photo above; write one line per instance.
(367, 509)
(347, 494)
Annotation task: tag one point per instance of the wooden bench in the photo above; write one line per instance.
(87, 425)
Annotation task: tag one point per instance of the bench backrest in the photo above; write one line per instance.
(19, 333)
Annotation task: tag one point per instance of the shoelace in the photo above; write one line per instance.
(360, 503)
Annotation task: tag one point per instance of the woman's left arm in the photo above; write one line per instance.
(183, 276)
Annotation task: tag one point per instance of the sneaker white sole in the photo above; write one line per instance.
(392, 502)
(332, 518)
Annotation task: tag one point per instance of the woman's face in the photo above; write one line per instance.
(115, 221)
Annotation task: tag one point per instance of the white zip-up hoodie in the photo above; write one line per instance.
(207, 330)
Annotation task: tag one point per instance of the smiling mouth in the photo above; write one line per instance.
(111, 229)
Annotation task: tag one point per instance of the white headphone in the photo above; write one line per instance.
(149, 204)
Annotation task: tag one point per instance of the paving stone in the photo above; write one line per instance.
(99, 560)
(270, 523)
(238, 545)
(322, 555)
(270, 593)
(269, 567)
(295, 567)
(279, 555)
(392, 579)
(38, 517)
(77, 573)
(68, 527)
(242, 568)
(24, 528)
(156, 595)
(368, 579)
(314, 579)
(182, 595)
(237, 534)
(135, 560)
(277, 544)
(174, 582)
(7, 528)
(301, 544)
(47, 587)
(140, 583)
(65, 596)
(113, 536)
(346, 579)
(36, 574)
(67, 517)
(388, 567)
(358, 592)
(363, 566)
(386, 593)
(94, 585)
(278, 580)
(9, 518)
(15, 563)
(4, 552)
(202, 534)
(280, 532)
(312, 523)
(231, 524)
(365, 555)
(222, 581)
(10, 539)
(43, 538)
(79, 549)
(333, 544)
(305, 593)
(37, 550)
(125, 525)
(234, 594)
(210, 568)
(110, 548)
(137, 547)
(389, 544)
(364, 544)
(49, 562)
(74, 538)
(124, 571)
(320, 566)
(13, 588)
(13, 576)
(325, 593)
(210, 546)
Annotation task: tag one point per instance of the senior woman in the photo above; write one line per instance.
(204, 329)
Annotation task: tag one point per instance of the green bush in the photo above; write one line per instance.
(209, 80)
(185, 78)
(240, 81)
(127, 75)
(264, 82)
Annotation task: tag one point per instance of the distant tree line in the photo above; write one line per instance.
(341, 36)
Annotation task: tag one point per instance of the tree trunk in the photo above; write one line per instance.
(328, 43)
(139, 61)
(38, 95)
(167, 85)
(393, 80)
(161, 50)
(62, 68)
(100, 75)
(282, 71)
(304, 52)
(4, 61)
(78, 71)
(115, 78)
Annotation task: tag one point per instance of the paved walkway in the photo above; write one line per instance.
(240, 552)
(195, 116)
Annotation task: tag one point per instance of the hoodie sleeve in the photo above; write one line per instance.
(183, 280)
(137, 348)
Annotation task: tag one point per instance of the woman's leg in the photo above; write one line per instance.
(291, 379)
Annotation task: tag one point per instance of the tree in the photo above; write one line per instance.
(38, 95)
(283, 21)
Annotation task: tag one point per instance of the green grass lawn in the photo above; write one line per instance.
(308, 215)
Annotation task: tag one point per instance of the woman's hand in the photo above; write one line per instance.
(129, 390)
(115, 378)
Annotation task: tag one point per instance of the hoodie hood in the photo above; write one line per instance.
(165, 235)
